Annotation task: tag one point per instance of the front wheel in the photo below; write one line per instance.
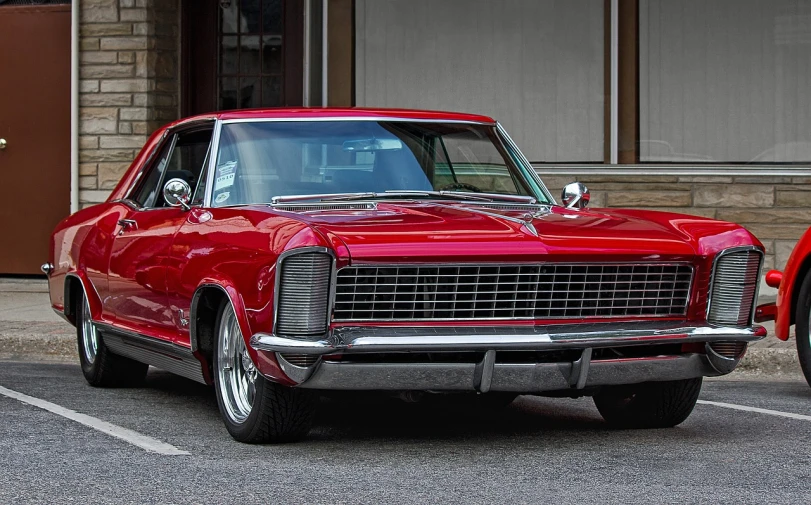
(648, 405)
(802, 318)
(254, 409)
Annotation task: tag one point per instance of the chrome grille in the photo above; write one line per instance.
(391, 292)
(303, 293)
(734, 284)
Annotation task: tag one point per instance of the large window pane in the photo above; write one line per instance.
(725, 81)
(535, 65)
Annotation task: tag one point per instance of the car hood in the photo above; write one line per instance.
(434, 231)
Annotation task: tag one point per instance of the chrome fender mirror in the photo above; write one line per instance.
(177, 193)
(575, 195)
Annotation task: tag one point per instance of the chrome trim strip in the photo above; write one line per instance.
(531, 171)
(212, 163)
(353, 118)
(720, 255)
(278, 278)
(351, 340)
(683, 170)
(513, 377)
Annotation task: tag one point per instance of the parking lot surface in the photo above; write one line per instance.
(376, 450)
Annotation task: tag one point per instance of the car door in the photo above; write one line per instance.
(138, 259)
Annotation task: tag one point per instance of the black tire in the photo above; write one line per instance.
(802, 331)
(102, 368)
(277, 414)
(648, 405)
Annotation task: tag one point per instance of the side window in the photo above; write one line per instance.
(183, 157)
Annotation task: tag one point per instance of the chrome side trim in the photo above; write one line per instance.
(353, 118)
(172, 358)
(351, 340)
(212, 163)
(512, 377)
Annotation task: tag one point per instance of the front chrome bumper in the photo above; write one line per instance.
(493, 375)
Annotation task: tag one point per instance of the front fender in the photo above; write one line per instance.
(798, 265)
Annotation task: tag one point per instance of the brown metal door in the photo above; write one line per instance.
(35, 124)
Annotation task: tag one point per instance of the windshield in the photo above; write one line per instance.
(258, 161)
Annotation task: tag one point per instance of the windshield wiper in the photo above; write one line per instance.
(405, 193)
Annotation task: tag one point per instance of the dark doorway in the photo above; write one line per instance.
(239, 54)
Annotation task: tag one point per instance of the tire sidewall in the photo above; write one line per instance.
(802, 331)
(245, 429)
(90, 370)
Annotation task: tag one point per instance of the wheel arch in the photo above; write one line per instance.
(797, 268)
(76, 284)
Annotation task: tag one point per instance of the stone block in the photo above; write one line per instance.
(87, 182)
(98, 11)
(88, 168)
(98, 120)
(793, 198)
(88, 142)
(105, 29)
(97, 57)
(762, 180)
(649, 199)
(134, 43)
(140, 127)
(126, 57)
(88, 86)
(733, 195)
(782, 251)
(89, 43)
(777, 232)
(767, 215)
(122, 141)
(125, 86)
(126, 4)
(706, 179)
(134, 114)
(133, 15)
(626, 178)
(93, 196)
(90, 155)
(111, 173)
(125, 128)
(106, 71)
(105, 99)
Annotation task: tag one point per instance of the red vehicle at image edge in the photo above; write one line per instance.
(793, 305)
(281, 253)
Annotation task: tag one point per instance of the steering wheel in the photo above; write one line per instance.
(460, 185)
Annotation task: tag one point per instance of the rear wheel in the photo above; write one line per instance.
(254, 409)
(802, 318)
(100, 367)
(648, 405)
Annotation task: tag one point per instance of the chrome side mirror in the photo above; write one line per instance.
(575, 195)
(177, 193)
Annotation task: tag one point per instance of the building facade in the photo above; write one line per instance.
(692, 106)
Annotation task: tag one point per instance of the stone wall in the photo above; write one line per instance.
(776, 210)
(129, 85)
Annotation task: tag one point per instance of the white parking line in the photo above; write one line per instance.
(133, 437)
(790, 415)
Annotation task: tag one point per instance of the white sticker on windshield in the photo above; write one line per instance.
(222, 197)
(227, 168)
(224, 181)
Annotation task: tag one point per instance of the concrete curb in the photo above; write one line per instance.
(57, 342)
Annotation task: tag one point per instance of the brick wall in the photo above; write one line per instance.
(128, 85)
(775, 209)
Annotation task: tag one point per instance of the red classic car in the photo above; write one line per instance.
(278, 253)
(793, 305)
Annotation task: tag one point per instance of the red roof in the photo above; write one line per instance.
(348, 112)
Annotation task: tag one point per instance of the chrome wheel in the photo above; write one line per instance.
(90, 338)
(236, 372)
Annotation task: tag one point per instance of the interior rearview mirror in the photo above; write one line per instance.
(371, 145)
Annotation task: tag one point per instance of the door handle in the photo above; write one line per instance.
(127, 224)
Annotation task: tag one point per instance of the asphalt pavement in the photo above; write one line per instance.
(376, 450)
